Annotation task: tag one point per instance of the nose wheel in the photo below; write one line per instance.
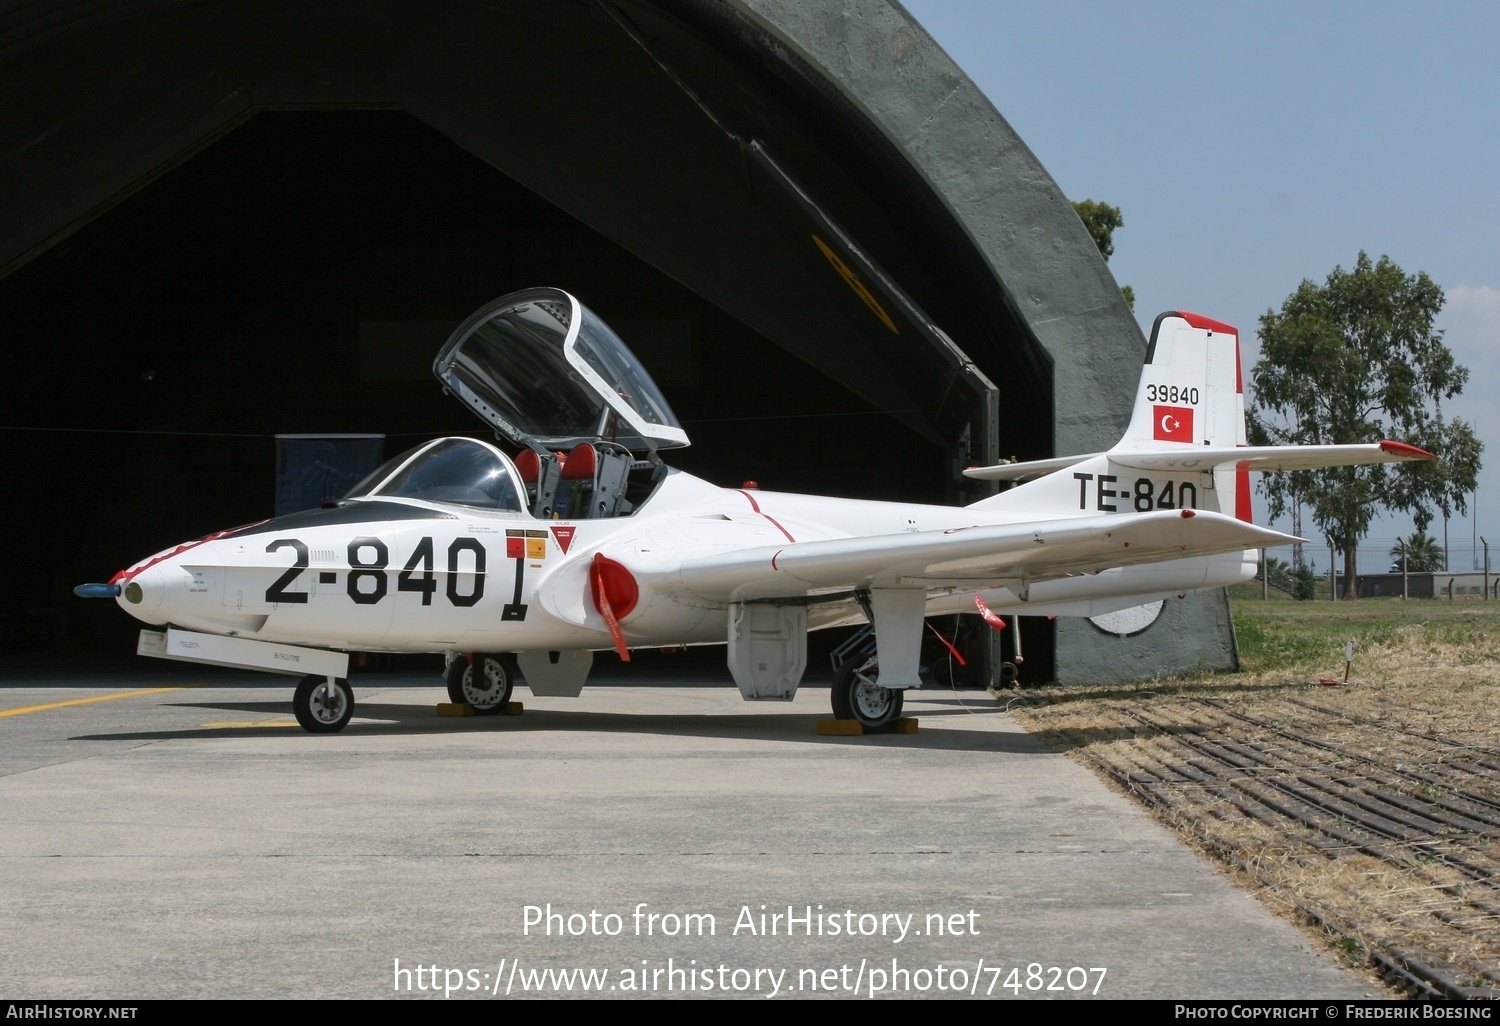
(856, 696)
(481, 681)
(323, 706)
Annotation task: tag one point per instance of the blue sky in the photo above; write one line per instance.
(1250, 146)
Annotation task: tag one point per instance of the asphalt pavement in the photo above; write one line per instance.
(175, 834)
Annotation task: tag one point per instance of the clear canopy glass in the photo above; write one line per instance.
(548, 373)
(457, 470)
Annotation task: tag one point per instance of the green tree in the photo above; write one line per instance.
(1422, 554)
(1307, 583)
(1357, 359)
(1101, 220)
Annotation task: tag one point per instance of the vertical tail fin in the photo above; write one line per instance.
(1190, 398)
(1191, 392)
(1185, 446)
(1192, 395)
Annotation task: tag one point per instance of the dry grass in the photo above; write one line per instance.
(1225, 760)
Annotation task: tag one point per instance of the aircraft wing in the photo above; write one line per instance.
(971, 557)
(1270, 458)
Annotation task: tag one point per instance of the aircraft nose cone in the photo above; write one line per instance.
(141, 595)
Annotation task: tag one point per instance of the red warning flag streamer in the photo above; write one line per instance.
(601, 600)
(990, 616)
(961, 660)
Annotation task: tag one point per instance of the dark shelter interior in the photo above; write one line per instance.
(230, 221)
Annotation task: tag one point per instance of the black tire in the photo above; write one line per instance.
(839, 696)
(488, 692)
(321, 709)
(855, 696)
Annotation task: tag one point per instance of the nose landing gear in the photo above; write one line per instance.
(323, 705)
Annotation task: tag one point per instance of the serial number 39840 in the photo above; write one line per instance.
(1171, 394)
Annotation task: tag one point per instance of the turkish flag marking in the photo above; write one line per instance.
(1172, 423)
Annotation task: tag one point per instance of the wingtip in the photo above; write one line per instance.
(1404, 451)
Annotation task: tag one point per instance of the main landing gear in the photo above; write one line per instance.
(856, 696)
(481, 681)
(323, 705)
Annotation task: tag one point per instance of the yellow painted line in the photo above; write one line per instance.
(251, 723)
(97, 698)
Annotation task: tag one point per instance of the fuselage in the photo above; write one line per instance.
(409, 575)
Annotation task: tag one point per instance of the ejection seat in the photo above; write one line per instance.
(588, 483)
(541, 476)
(599, 474)
(544, 371)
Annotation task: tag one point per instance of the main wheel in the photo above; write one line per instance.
(856, 696)
(322, 708)
(481, 681)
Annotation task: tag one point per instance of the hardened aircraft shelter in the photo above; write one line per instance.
(221, 222)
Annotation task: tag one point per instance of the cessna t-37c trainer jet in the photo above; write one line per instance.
(586, 541)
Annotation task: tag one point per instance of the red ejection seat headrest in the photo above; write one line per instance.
(581, 463)
(530, 466)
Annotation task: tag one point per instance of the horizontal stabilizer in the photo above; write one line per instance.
(1268, 458)
(1273, 458)
(1027, 470)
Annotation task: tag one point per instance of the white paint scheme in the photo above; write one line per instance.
(755, 569)
(767, 649)
(241, 653)
(556, 674)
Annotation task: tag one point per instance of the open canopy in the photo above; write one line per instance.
(547, 373)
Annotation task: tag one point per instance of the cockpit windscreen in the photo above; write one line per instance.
(457, 470)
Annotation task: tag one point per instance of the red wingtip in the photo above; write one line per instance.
(1410, 452)
(1188, 514)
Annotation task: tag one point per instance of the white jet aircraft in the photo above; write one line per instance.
(586, 541)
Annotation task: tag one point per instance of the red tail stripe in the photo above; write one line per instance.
(1208, 323)
(1242, 496)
